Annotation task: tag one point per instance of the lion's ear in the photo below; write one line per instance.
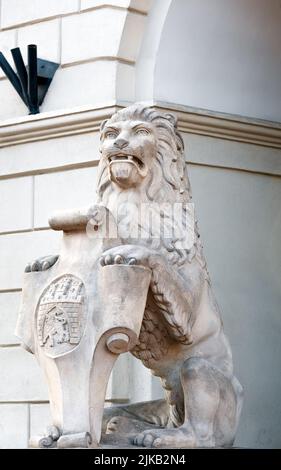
(172, 118)
(103, 123)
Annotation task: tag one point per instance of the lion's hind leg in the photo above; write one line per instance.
(210, 403)
(135, 418)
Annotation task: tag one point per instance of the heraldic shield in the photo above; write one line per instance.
(76, 324)
(61, 316)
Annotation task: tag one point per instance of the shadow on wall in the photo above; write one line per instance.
(222, 56)
(240, 223)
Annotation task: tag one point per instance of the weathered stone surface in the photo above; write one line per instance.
(124, 283)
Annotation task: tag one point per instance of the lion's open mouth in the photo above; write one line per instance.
(125, 159)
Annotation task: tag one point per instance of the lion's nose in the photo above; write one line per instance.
(121, 143)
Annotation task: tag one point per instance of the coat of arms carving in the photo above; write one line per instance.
(60, 318)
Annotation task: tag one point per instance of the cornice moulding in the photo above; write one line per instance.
(52, 125)
(83, 120)
(225, 126)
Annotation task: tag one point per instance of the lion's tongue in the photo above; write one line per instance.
(122, 171)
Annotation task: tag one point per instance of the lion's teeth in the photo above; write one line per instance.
(120, 157)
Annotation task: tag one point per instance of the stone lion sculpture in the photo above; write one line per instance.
(181, 339)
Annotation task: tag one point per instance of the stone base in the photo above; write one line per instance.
(117, 441)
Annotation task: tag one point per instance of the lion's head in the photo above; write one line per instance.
(142, 161)
(141, 147)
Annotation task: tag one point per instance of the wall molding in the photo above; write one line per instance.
(102, 6)
(52, 125)
(226, 126)
(83, 120)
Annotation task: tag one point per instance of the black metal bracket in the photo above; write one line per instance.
(31, 82)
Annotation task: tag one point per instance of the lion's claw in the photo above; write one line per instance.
(127, 254)
(117, 259)
(178, 437)
(41, 264)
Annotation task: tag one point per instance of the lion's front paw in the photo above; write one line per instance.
(129, 254)
(178, 437)
(124, 425)
(41, 264)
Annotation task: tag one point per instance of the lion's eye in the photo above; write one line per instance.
(110, 135)
(142, 132)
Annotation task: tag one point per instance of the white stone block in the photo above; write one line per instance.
(15, 204)
(18, 249)
(85, 4)
(141, 5)
(140, 385)
(9, 309)
(16, 12)
(21, 377)
(13, 426)
(90, 84)
(125, 84)
(63, 190)
(132, 36)
(102, 33)
(47, 154)
(230, 154)
(7, 42)
(132, 381)
(45, 35)
(121, 378)
(157, 390)
(91, 35)
(40, 418)
(11, 103)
